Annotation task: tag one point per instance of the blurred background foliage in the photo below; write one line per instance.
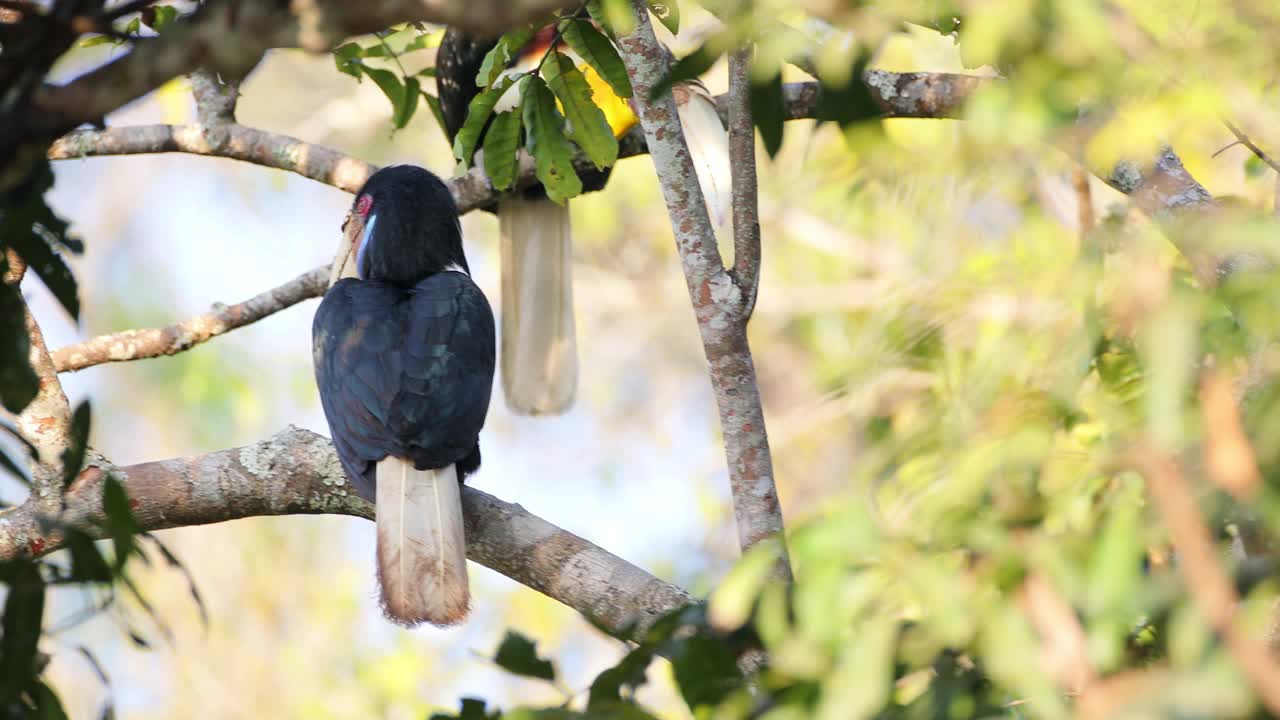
(953, 369)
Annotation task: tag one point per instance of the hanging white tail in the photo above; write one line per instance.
(422, 560)
(539, 346)
(708, 147)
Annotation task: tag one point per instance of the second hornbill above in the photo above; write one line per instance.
(538, 347)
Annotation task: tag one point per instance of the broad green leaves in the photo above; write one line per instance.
(502, 55)
(478, 112)
(402, 88)
(587, 124)
(500, 145)
(551, 150)
(556, 113)
(598, 52)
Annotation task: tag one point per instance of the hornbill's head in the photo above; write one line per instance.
(404, 226)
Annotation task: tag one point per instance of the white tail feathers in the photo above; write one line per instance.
(708, 146)
(422, 560)
(539, 347)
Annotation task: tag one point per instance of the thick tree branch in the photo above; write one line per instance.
(229, 37)
(719, 304)
(296, 472)
(155, 342)
(742, 164)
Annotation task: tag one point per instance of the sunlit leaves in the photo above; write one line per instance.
(690, 66)
(502, 55)
(500, 144)
(667, 12)
(551, 150)
(598, 52)
(478, 112)
(586, 122)
(403, 89)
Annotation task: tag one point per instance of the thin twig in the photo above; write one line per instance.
(157, 342)
(742, 164)
(1200, 565)
(1244, 140)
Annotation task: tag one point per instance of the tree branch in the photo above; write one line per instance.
(296, 472)
(719, 304)
(46, 422)
(155, 342)
(229, 37)
(1208, 583)
(742, 164)
(228, 140)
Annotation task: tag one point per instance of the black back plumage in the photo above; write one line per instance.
(405, 364)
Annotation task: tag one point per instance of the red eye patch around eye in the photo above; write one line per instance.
(363, 204)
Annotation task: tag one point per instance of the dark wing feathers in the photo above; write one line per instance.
(405, 373)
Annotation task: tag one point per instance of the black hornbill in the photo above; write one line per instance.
(539, 347)
(404, 357)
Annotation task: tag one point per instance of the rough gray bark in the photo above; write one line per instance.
(720, 305)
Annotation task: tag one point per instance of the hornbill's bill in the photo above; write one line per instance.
(539, 347)
(404, 359)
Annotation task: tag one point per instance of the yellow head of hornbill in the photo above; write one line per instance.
(404, 359)
(538, 345)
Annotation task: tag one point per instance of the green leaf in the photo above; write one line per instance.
(629, 672)
(1254, 166)
(705, 670)
(96, 40)
(46, 704)
(49, 265)
(849, 103)
(478, 112)
(404, 112)
(667, 12)
(519, 656)
(433, 102)
(347, 60)
(18, 382)
(688, 67)
(390, 86)
(121, 524)
(500, 145)
(22, 623)
(159, 16)
(34, 231)
(587, 124)
(177, 564)
(551, 150)
(77, 444)
(768, 112)
(502, 54)
(598, 52)
(87, 563)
